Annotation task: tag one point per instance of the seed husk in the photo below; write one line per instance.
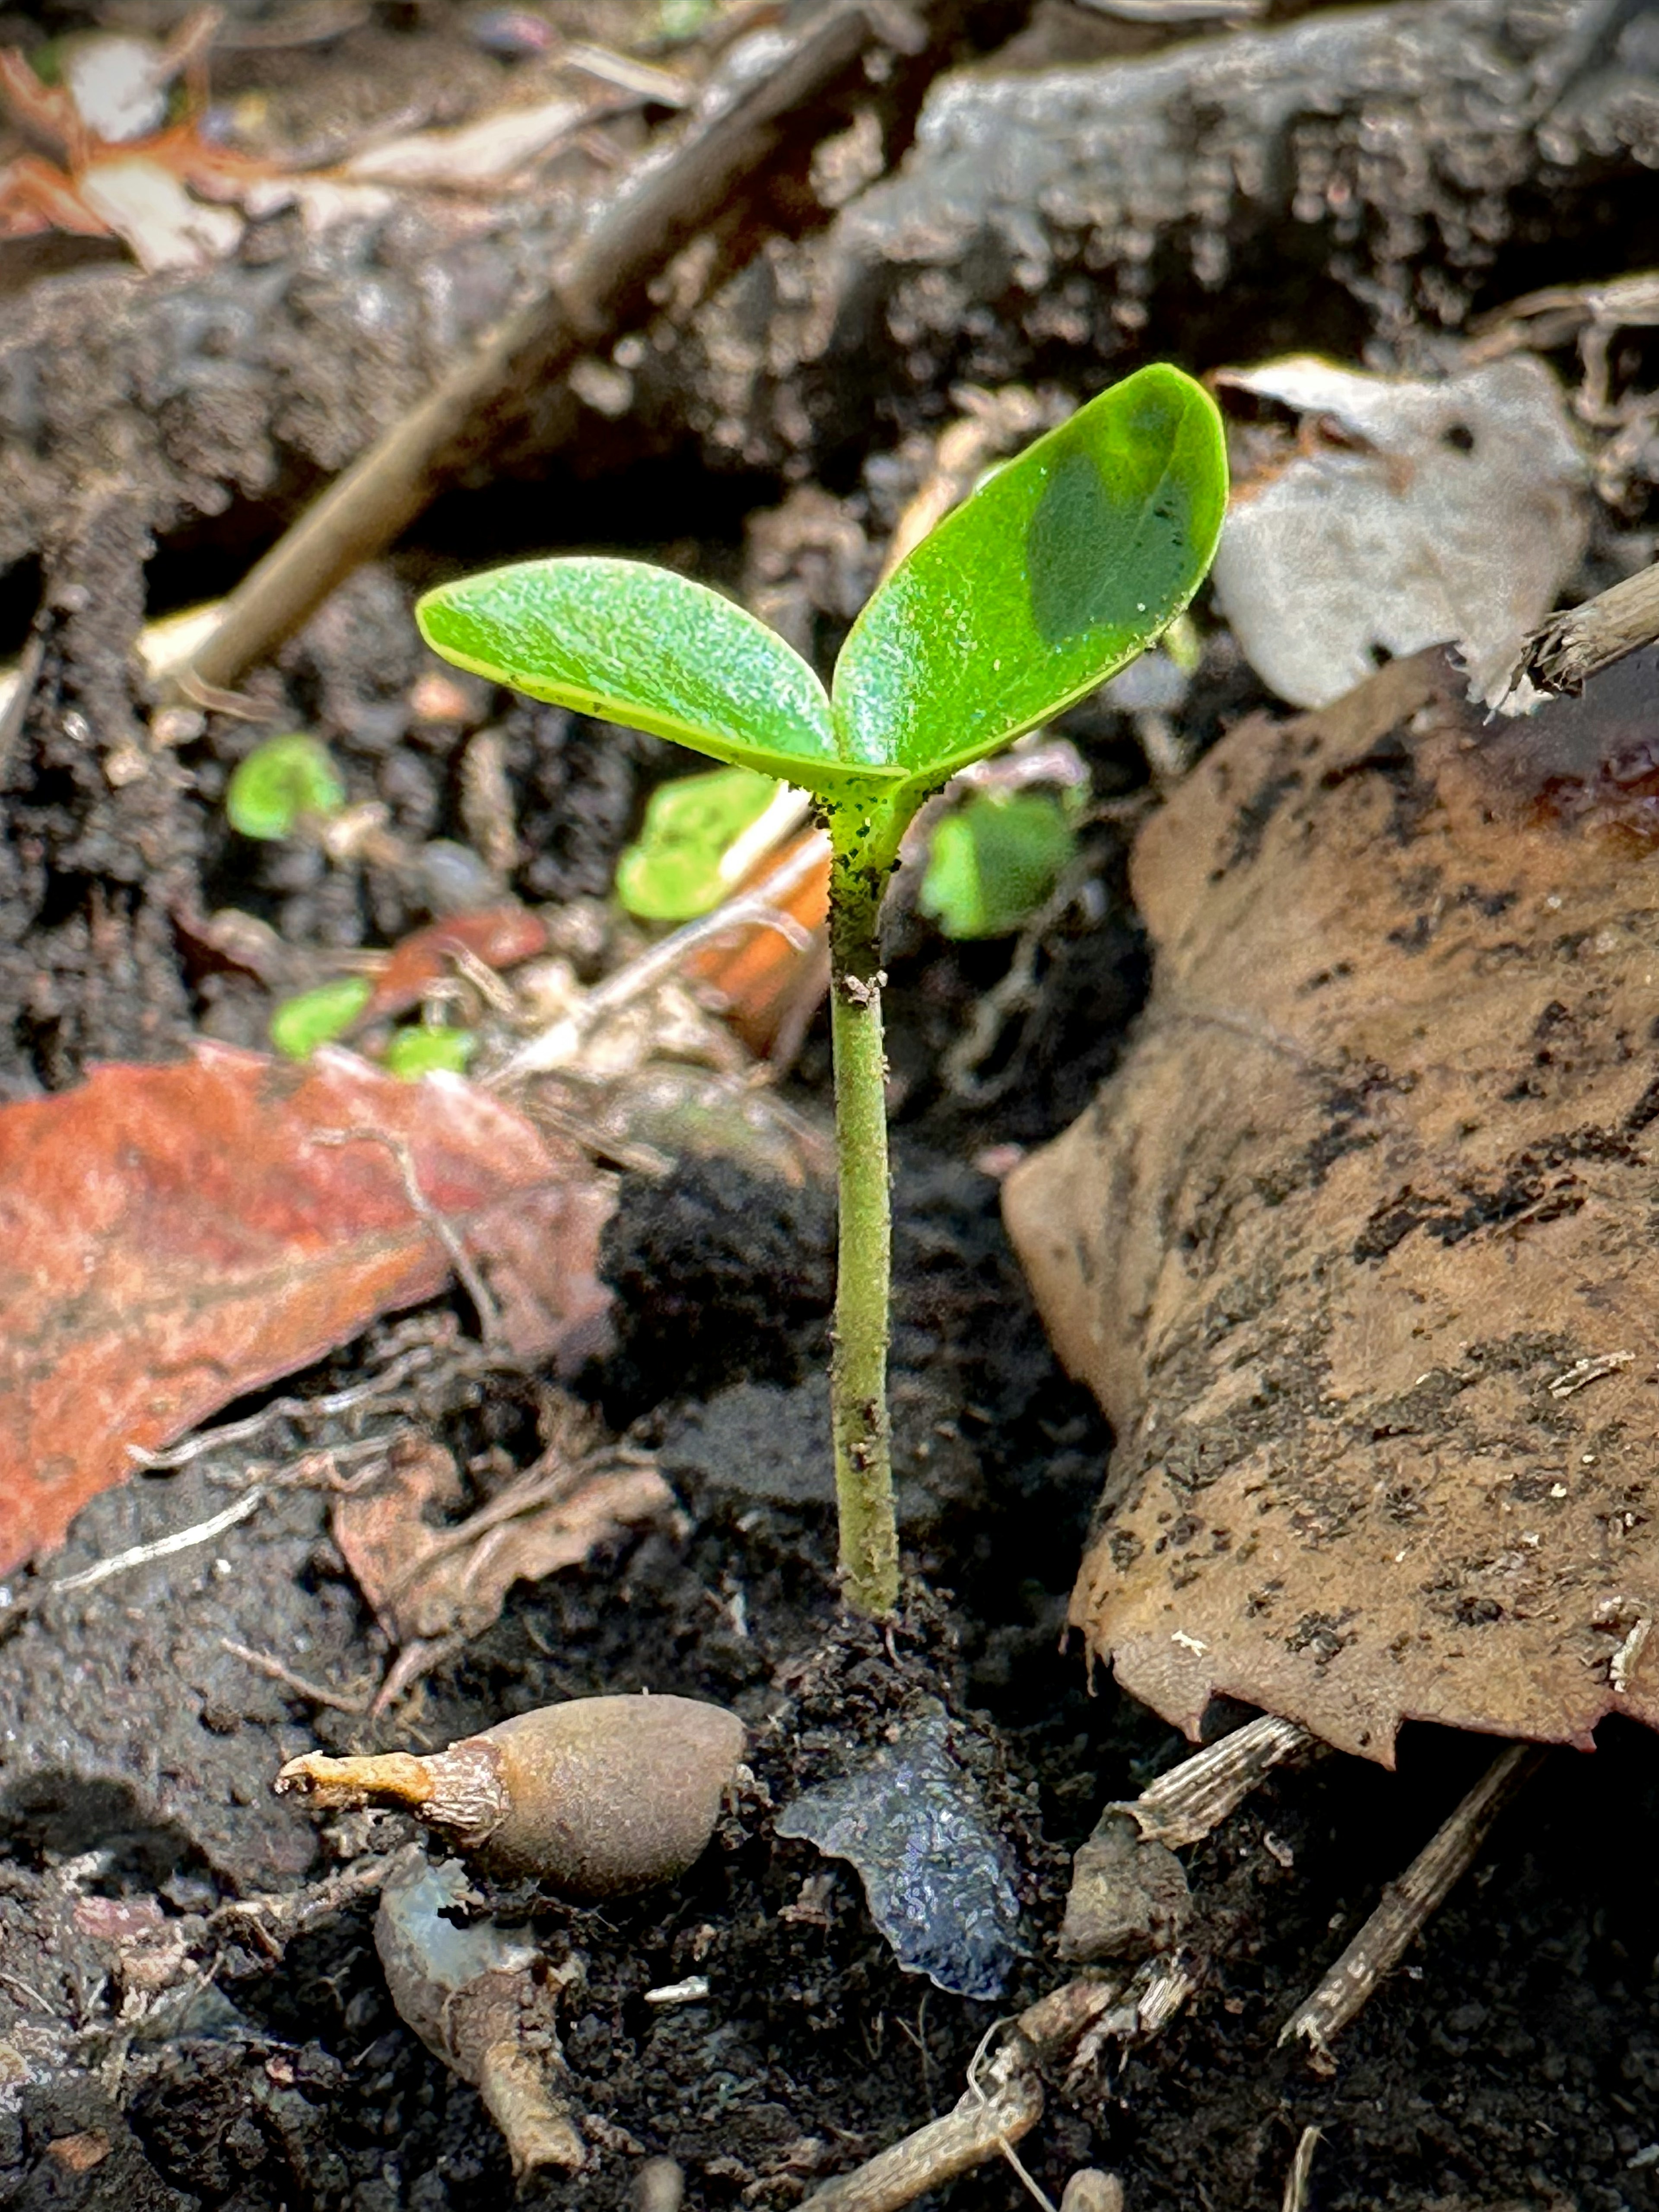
(594, 1797)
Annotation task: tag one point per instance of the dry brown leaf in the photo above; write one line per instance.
(1358, 1248)
(171, 1237)
(427, 1578)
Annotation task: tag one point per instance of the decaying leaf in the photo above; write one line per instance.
(428, 1577)
(172, 1236)
(1358, 1248)
(1404, 514)
(498, 937)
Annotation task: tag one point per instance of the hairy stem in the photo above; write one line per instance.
(863, 853)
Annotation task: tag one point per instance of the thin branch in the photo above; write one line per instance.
(555, 1047)
(489, 1313)
(1570, 647)
(185, 1540)
(285, 1409)
(1301, 2172)
(315, 1694)
(603, 286)
(1407, 1905)
(986, 2120)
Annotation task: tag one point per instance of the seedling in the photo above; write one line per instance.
(702, 835)
(304, 1024)
(283, 782)
(423, 1049)
(1061, 568)
(995, 861)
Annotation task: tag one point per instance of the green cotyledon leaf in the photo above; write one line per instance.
(1063, 566)
(643, 645)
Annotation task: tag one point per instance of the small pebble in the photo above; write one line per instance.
(659, 2186)
(1089, 2190)
(511, 32)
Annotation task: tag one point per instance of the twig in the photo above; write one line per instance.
(27, 1991)
(603, 285)
(1038, 2194)
(1407, 1905)
(1296, 2181)
(184, 1539)
(263, 1663)
(17, 690)
(988, 2120)
(489, 1313)
(1184, 1805)
(556, 1046)
(1178, 11)
(285, 1409)
(985, 2123)
(1587, 1371)
(1571, 648)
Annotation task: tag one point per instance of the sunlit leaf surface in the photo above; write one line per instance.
(1062, 567)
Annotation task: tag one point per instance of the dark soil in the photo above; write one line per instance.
(1513, 2061)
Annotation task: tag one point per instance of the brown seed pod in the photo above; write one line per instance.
(594, 1797)
(477, 1997)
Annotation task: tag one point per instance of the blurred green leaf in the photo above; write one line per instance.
(281, 780)
(674, 871)
(994, 862)
(425, 1049)
(316, 1017)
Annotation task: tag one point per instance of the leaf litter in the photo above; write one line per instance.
(1355, 1249)
(430, 1578)
(176, 1237)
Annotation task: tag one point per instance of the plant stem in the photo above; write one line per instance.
(862, 853)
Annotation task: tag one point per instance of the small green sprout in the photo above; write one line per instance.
(994, 861)
(425, 1049)
(282, 781)
(317, 1017)
(1059, 569)
(683, 865)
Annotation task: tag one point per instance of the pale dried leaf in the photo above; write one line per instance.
(148, 209)
(1378, 1173)
(1408, 514)
(484, 152)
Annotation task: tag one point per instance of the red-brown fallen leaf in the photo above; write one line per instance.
(171, 1237)
(764, 984)
(498, 936)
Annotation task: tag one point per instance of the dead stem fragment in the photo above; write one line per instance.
(1004, 2104)
(1004, 2099)
(315, 1694)
(1566, 651)
(1186, 1804)
(1407, 1905)
(1296, 2181)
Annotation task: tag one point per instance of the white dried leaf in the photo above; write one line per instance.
(150, 210)
(485, 152)
(1409, 514)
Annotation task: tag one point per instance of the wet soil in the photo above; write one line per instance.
(169, 2039)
